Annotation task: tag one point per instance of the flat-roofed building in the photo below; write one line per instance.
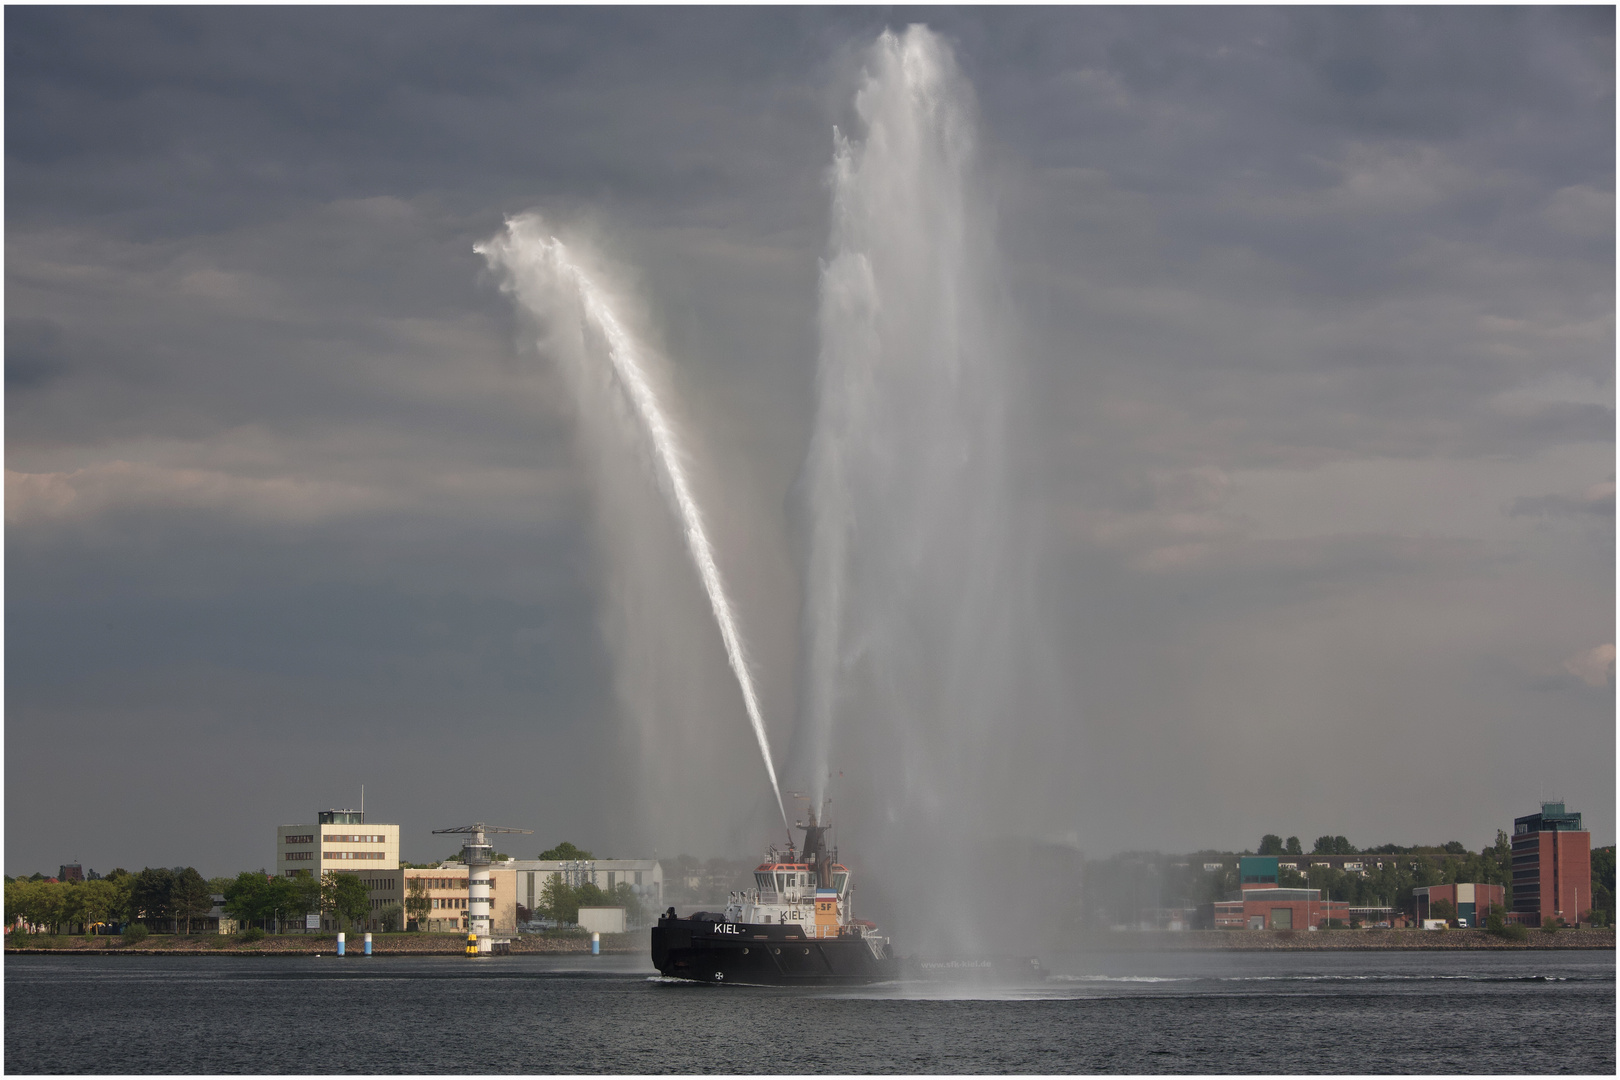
(644, 876)
(1269, 908)
(339, 840)
(1472, 901)
(445, 889)
(343, 841)
(1552, 866)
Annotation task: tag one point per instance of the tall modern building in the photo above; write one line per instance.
(339, 840)
(1552, 866)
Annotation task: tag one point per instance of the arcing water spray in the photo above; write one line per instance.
(536, 266)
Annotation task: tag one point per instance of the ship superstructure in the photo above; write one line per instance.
(795, 925)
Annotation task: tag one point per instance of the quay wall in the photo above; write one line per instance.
(424, 944)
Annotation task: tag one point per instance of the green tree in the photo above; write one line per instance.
(120, 889)
(345, 897)
(1602, 905)
(558, 901)
(69, 904)
(248, 897)
(291, 898)
(565, 850)
(150, 894)
(624, 895)
(390, 917)
(1443, 909)
(417, 901)
(1333, 845)
(1496, 925)
(1270, 844)
(22, 901)
(99, 902)
(189, 897)
(1292, 846)
(1603, 881)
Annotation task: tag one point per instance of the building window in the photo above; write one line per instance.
(297, 856)
(304, 839)
(353, 838)
(638, 877)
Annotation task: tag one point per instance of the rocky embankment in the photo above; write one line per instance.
(316, 944)
(1148, 940)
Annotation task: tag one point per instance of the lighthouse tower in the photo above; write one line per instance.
(475, 853)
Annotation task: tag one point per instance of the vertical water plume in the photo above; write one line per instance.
(538, 270)
(911, 581)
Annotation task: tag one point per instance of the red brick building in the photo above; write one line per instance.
(1471, 901)
(1279, 909)
(1552, 866)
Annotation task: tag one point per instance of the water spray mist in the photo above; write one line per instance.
(536, 267)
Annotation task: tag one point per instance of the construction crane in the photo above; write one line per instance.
(475, 853)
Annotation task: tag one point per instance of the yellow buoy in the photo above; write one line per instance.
(472, 944)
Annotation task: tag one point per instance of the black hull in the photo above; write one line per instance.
(713, 952)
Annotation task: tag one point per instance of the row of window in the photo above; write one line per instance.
(452, 883)
(354, 838)
(306, 838)
(448, 902)
(350, 855)
(297, 856)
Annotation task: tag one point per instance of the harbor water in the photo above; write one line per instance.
(1164, 1012)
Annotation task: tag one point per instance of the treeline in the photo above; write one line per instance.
(159, 898)
(1120, 889)
(173, 900)
(560, 902)
(254, 897)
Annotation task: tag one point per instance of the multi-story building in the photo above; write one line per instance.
(342, 841)
(1261, 905)
(644, 876)
(339, 840)
(1552, 866)
(1472, 901)
(444, 887)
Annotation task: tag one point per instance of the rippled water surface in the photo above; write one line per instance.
(1276, 1012)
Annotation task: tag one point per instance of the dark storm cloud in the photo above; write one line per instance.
(1317, 303)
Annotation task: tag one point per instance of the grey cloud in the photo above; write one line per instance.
(287, 480)
(1597, 501)
(33, 353)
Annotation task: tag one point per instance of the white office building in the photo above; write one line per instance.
(342, 841)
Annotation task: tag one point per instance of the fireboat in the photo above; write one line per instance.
(794, 927)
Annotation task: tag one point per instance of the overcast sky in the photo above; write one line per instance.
(1316, 305)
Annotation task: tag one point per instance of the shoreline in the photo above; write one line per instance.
(639, 943)
(426, 944)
